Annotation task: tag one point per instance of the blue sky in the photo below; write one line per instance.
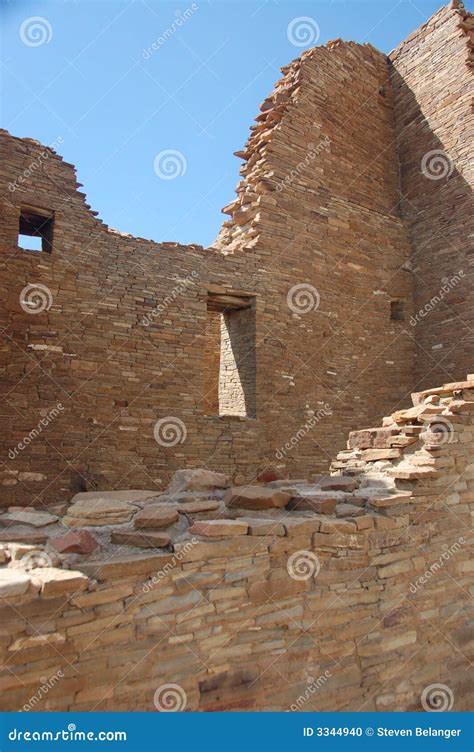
(82, 74)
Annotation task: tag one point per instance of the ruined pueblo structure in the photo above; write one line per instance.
(277, 551)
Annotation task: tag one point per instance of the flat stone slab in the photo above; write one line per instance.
(129, 496)
(13, 582)
(55, 581)
(198, 479)
(75, 542)
(349, 510)
(338, 483)
(317, 504)
(264, 527)
(256, 497)
(156, 516)
(36, 519)
(194, 507)
(22, 535)
(215, 528)
(148, 539)
(98, 512)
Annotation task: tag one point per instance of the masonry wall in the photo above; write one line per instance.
(285, 609)
(432, 76)
(123, 338)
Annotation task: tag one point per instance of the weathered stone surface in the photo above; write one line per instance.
(264, 527)
(349, 510)
(56, 581)
(256, 497)
(317, 504)
(338, 483)
(148, 539)
(199, 479)
(213, 528)
(126, 495)
(98, 512)
(35, 518)
(155, 516)
(77, 542)
(13, 582)
(195, 507)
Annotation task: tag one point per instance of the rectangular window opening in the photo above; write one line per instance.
(397, 310)
(35, 231)
(230, 355)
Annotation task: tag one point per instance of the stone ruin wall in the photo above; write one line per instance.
(432, 78)
(351, 593)
(314, 207)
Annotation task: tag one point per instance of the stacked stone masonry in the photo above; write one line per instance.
(347, 593)
(332, 197)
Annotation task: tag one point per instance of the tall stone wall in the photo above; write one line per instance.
(351, 593)
(111, 362)
(432, 77)
(122, 339)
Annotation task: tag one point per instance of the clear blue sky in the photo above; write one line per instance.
(80, 74)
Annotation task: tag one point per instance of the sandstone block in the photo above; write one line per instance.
(148, 539)
(317, 504)
(34, 518)
(56, 581)
(155, 516)
(199, 479)
(13, 582)
(76, 542)
(256, 497)
(212, 528)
